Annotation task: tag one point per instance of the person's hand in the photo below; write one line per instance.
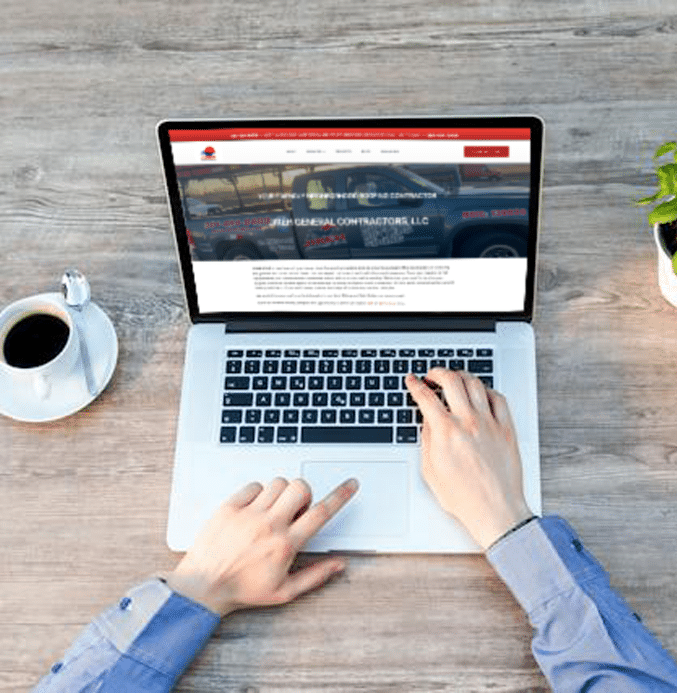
(242, 556)
(469, 454)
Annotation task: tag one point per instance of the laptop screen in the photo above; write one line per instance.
(424, 216)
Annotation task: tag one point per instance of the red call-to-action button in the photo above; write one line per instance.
(486, 151)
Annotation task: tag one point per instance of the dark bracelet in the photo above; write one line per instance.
(519, 525)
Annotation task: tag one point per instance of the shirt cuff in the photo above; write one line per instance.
(156, 628)
(541, 560)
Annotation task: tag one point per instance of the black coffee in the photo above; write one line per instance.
(35, 340)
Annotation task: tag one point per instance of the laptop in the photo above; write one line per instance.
(323, 260)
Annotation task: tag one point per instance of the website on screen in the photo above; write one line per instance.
(354, 220)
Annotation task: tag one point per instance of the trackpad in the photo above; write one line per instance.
(379, 508)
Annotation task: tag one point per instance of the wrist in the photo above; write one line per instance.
(196, 589)
(498, 526)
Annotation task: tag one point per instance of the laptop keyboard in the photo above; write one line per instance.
(292, 396)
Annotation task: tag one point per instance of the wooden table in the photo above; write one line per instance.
(84, 500)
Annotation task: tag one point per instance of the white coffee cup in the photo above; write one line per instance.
(40, 378)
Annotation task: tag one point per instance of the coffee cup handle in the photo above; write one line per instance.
(41, 386)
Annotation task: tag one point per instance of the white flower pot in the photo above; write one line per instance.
(667, 280)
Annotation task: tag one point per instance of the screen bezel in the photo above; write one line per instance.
(371, 321)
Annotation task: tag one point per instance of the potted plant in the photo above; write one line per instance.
(664, 220)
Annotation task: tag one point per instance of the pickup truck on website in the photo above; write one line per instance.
(369, 211)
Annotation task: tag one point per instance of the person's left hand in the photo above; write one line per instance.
(242, 556)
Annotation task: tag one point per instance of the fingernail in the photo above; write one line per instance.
(339, 567)
(352, 484)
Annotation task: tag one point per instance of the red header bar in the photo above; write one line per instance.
(237, 134)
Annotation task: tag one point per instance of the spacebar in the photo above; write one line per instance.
(346, 434)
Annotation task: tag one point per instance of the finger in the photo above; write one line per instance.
(245, 495)
(319, 514)
(477, 392)
(427, 400)
(291, 501)
(453, 386)
(308, 578)
(499, 407)
(271, 493)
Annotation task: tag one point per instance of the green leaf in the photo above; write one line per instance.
(665, 148)
(647, 200)
(674, 263)
(664, 213)
(667, 179)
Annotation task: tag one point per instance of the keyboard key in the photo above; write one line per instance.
(487, 380)
(307, 366)
(330, 353)
(447, 353)
(246, 434)
(237, 399)
(381, 366)
(326, 366)
(438, 363)
(254, 353)
(270, 366)
(405, 416)
(480, 366)
(485, 352)
(376, 399)
(372, 382)
(231, 416)
(287, 434)
(407, 353)
(347, 416)
(252, 366)
(391, 382)
(316, 382)
(320, 399)
(353, 382)
(426, 353)
(395, 399)
(289, 366)
(347, 434)
(237, 382)
(339, 399)
(278, 382)
(260, 382)
(335, 382)
(290, 416)
(456, 364)
(228, 434)
(233, 366)
(344, 367)
(406, 434)
(368, 353)
(363, 367)
(311, 353)
(271, 416)
(465, 353)
(292, 353)
(385, 416)
(297, 382)
(235, 353)
(301, 399)
(366, 416)
(357, 399)
(282, 399)
(266, 434)
(273, 353)
(387, 353)
(252, 416)
(401, 366)
(309, 416)
(349, 353)
(419, 366)
(263, 399)
(328, 416)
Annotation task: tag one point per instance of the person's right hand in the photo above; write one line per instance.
(469, 454)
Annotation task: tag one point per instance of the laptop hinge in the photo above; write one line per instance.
(366, 324)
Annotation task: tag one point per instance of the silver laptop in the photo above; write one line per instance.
(322, 261)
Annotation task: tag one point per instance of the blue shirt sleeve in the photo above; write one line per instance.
(141, 645)
(586, 637)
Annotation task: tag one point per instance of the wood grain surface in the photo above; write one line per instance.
(83, 501)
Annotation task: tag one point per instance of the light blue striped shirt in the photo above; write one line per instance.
(586, 637)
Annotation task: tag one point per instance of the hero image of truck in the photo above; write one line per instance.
(304, 211)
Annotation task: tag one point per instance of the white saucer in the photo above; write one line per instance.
(68, 395)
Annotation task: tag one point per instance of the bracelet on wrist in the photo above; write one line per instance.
(519, 525)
